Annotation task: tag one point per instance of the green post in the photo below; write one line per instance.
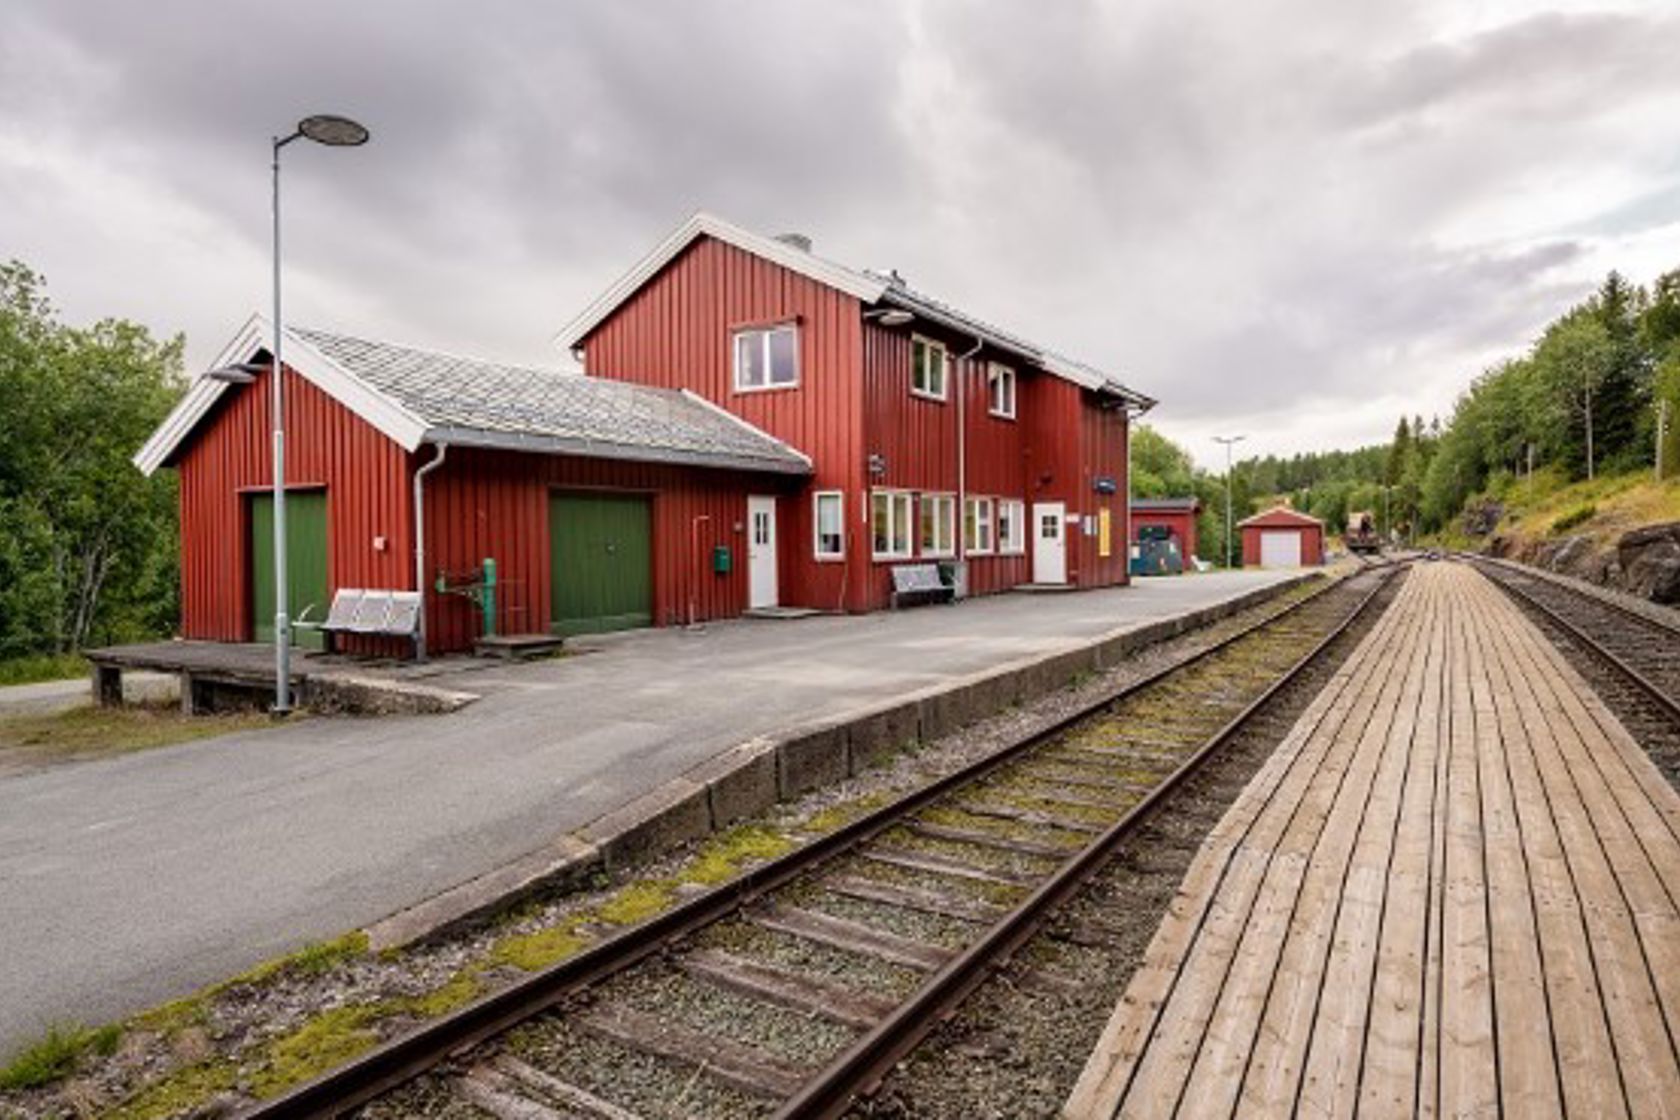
(487, 601)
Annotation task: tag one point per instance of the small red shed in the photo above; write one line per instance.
(1176, 515)
(1282, 538)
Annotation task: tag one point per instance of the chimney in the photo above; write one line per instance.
(798, 240)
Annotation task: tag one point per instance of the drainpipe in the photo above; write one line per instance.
(420, 545)
(962, 464)
(695, 574)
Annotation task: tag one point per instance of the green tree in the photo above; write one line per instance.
(87, 544)
(1576, 359)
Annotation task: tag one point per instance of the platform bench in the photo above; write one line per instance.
(380, 614)
(920, 582)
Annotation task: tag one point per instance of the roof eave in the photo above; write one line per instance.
(597, 449)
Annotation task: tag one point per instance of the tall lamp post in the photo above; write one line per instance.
(334, 132)
(1228, 441)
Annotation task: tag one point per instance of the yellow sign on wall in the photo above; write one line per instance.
(1105, 533)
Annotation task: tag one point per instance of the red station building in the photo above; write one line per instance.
(1282, 537)
(1176, 515)
(755, 428)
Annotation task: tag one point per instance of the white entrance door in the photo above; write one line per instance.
(1280, 550)
(761, 552)
(1049, 542)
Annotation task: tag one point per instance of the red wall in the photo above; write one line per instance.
(1181, 523)
(364, 474)
(675, 332)
(495, 503)
(1312, 543)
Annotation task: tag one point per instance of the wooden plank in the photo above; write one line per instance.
(854, 937)
(937, 864)
(745, 1067)
(950, 905)
(991, 840)
(1113, 1065)
(811, 995)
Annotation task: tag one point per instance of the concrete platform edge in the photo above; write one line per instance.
(753, 775)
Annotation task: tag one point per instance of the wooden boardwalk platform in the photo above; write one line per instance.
(1450, 892)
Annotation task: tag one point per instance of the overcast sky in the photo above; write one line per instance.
(1292, 220)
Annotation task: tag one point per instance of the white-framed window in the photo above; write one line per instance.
(890, 522)
(1012, 526)
(767, 358)
(927, 368)
(1000, 391)
(939, 524)
(829, 524)
(977, 526)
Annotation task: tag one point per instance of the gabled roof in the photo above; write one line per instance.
(868, 287)
(1166, 505)
(1281, 517)
(423, 396)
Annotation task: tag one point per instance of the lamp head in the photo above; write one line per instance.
(333, 131)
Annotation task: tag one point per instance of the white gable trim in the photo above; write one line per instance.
(387, 415)
(836, 276)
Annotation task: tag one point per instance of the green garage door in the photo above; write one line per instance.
(601, 566)
(306, 563)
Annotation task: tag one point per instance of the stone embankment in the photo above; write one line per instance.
(1643, 562)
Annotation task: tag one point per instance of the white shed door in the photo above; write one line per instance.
(1280, 549)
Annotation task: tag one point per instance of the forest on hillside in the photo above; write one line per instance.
(1583, 400)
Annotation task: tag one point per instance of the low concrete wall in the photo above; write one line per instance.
(751, 776)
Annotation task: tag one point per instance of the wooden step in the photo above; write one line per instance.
(788, 989)
(854, 937)
(747, 1068)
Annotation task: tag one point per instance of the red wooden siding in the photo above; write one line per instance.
(1312, 540)
(675, 332)
(1181, 523)
(1102, 450)
(495, 504)
(364, 473)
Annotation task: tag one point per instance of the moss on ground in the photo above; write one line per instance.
(324, 1042)
(181, 1091)
(33, 740)
(727, 854)
(538, 949)
(839, 815)
(311, 960)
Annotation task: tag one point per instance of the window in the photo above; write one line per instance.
(1012, 525)
(1000, 391)
(927, 369)
(977, 525)
(889, 518)
(767, 358)
(939, 524)
(830, 525)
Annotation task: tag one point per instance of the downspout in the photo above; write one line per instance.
(420, 545)
(961, 512)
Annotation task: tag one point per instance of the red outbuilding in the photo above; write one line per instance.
(1176, 517)
(755, 427)
(1282, 537)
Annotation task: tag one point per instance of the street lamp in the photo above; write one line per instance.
(1228, 441)
(334, 132)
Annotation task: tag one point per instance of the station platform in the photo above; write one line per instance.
(1450, 892)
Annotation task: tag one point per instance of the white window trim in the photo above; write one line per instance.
(766, 330)
(910, 529)
(1018, 547)
(931, 501)
(990, 506)
(944, 369)
(994, 370)
(816, 525)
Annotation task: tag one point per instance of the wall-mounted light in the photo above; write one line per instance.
(890, 316)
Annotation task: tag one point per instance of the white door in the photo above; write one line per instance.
(1280, 549)
(1049, 542)
(761, 552)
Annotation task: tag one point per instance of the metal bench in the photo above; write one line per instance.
(386, 614)
(920, 581)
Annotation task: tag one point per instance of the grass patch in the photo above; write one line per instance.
(460, 990)
(637, 902)
(56, 1054)
(723, 857)
(94, 732)
(179, 1092)
(837, 816)
(535, 951)
(1569, 519)
(311, 960)
(42, 667)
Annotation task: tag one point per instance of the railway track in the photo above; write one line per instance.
(1642, 650)
(797, 987)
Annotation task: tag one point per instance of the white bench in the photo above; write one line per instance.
(387, 614)
(920, 581)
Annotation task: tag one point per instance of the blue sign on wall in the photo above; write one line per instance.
(1106, 485)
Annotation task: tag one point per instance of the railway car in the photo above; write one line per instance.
(1361, 534)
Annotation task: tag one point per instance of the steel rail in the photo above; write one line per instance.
(402, 1059)
(1669, 704)
(861, 1068)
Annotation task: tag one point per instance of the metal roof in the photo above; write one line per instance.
(1282, 517)
(422, 396)
(1166, 505)
(868, 287)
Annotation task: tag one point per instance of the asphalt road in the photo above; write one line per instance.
(132, 880)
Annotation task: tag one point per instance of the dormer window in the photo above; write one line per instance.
(927, 369)
(767, 358)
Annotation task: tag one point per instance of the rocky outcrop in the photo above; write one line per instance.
(1481, 519)
(1649, 560)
